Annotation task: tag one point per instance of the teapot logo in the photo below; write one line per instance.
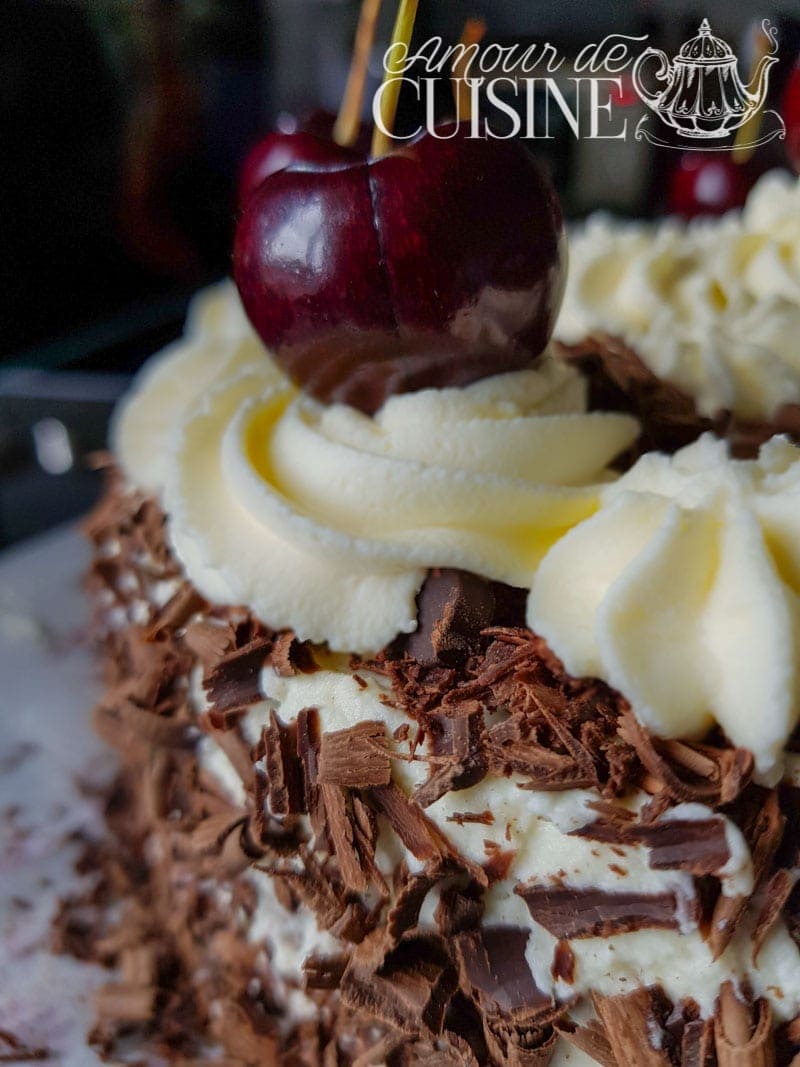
(700, 95)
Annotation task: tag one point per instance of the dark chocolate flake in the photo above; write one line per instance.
(578, 913)
(495, 972)
(356, 758)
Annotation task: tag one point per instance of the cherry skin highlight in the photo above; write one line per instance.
(436, 265)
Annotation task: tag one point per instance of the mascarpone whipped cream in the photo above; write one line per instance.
(682, 592)
(713, 306)
(538, 828)
(324, 520)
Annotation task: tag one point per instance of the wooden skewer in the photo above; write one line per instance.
(345, 130)
(471, 36)
(403, 28)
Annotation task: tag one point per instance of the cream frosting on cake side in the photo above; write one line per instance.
(682, 593)
(539, 829)
(712, 306)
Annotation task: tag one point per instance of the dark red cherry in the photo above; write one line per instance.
(279, 150)
(436, 265)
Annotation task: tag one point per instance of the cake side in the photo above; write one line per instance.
(439, 920)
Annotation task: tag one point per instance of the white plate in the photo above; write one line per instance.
(48, 682)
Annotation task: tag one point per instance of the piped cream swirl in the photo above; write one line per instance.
(325, 520)
(683, 593)
(713, 306)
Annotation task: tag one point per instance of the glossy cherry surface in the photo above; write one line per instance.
(278, 150)
(708, 183)
(436, 265)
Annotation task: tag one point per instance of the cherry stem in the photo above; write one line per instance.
(390, 94)
(345, 130)
(471, 37)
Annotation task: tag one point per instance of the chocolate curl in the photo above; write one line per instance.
(740, 1042)
(209, 642)
(715, 776)
(236, 749)
(631, 1023)
(620, 381)
(776, 894)
(235, 682)
(341, 832)
(243, 1035)
(356, 758)
(282, 768)
(520, 1047)
(495, 975)
(123, 724)
(176, 612)
(571, 914)
(763, 833)
(407, 987)
(590, 1039)
(418, 833)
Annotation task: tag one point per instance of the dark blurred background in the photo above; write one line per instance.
(123, 123)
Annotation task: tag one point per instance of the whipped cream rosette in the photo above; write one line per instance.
(682, 592)
(711, 306)
(325, 520)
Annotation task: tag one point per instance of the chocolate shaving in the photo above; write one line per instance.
(699, 847)
(495, 973)
(459, 738)
(762, 823)
(290, 656)
(590, 1039)
(452, 608)
(324, 972)
(342, 837)
(355, 758)
(577, 913)
(407, 987)
(633, 1026)
(308, 745)
(235, 682)
(209, 640)
(176, 612)
(282, 768)
(776, 893)
(404, 913)
(459, 909)
(707, 775)
(480, 818)
(620, 381)
(420, 836)
(740, 1040)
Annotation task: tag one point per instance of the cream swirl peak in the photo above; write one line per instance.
(682, 592)
(713, 306)
(325, 520)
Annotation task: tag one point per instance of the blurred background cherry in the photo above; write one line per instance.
(709, 183)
